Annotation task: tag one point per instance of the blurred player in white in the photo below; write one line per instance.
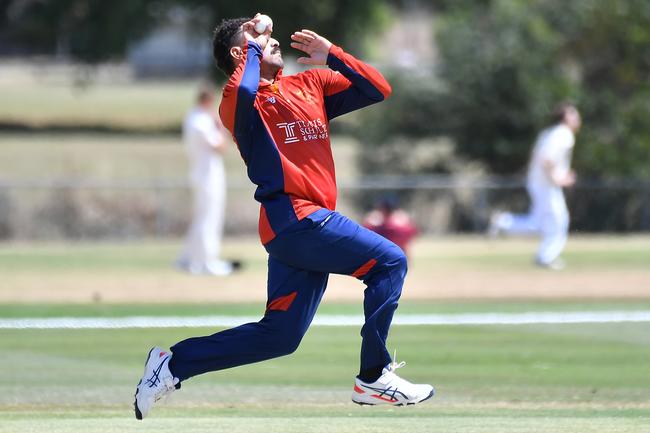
(548, 172)
(205, 142)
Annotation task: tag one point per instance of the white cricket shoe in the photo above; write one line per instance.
(390, 389)
(156, 383)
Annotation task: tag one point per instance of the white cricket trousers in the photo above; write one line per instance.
(548, 216)
(202, 250)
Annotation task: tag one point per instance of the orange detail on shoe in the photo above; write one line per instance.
(161, 354)
(390, 400)
(266, 232)
(358, 390)
(282, 303)
(363, 270)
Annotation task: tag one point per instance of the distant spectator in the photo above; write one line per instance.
(392, 223)
(548, 172)
(205, 142)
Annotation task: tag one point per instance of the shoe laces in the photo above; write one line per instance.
(395, 384)
(164, 384)
(394, 365)
(167, 387)
(170, 387)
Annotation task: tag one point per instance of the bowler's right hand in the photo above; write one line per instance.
(250, 34)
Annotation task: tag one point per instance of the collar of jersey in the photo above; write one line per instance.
(278, 77)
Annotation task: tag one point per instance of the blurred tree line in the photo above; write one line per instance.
(93, 31)
(503, 66)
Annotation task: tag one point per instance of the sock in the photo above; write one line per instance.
(169, 367)
(370, 375)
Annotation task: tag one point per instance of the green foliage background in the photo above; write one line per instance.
(504, 65)
(98, 30)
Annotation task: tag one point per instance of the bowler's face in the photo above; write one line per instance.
(272, 54)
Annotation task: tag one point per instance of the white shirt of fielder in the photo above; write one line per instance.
(549, 171)
(551, 158)
(204, 142)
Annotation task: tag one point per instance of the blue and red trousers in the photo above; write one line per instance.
(301, 258)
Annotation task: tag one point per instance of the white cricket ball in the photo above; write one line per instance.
(263, 24)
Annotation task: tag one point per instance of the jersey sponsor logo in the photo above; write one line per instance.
(289, 132)
(304, 130)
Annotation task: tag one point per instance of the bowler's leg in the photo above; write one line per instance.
(293, 297)
(330, 242)
(384, 282)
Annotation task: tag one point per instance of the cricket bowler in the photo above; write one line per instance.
(281, 127)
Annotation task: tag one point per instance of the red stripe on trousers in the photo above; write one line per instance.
(363, 270)
(282, 303)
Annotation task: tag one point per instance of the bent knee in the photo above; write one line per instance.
(284, 341)
(286, 345)
(397, 259)
(393, 261)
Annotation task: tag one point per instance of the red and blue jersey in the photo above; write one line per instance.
(282, 130)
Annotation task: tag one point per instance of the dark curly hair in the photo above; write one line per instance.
(225, 37)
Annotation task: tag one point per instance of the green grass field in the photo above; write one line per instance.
(491, 378)
(548, 378)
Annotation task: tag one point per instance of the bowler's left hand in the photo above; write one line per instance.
(313, 44)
